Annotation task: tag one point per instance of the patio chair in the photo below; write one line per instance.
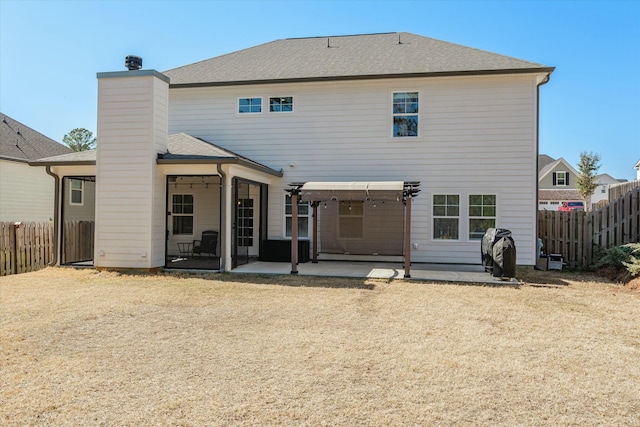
(207, 245)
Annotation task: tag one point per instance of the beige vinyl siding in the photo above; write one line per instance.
(477, 135)
(130, 203)
(84, 212)
(26, 192)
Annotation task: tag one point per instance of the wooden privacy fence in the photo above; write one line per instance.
(578, 235)
(77, 241)
(25, 246)
(29, 246)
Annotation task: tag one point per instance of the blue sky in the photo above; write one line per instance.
(50, 52)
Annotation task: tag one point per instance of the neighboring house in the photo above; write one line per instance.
(601, 192)
(26, 193)
(637, 168)
(215, 145)
(556, 183)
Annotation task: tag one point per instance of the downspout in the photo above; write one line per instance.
(537, 206)
(56, 204)
(223, 222)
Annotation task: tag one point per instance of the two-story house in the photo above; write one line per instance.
(354, 120)
(556, 183)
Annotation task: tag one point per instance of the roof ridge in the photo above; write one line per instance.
(343, 35)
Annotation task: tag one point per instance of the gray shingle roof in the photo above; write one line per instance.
(346, 57)
(546, 195)
(20, 142)
(544, 160)
(181, 148)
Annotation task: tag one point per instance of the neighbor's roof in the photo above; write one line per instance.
(385, 55)
(181, 149)
(544, 160)
(21, 143)
(548, 195)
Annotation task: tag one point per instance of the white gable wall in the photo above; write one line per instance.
(26, 193)
(477, 136)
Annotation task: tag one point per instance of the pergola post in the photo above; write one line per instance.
(315, 232)
(407, 239)
(294, 232)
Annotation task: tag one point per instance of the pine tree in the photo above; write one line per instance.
(80, 139)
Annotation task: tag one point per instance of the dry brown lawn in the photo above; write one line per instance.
(84, 348)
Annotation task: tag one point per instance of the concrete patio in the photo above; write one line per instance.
(459, 273)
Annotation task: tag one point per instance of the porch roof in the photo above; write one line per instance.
(181, 149)
(187, 149)
(374, 190)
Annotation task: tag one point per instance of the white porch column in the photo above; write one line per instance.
(227, 232)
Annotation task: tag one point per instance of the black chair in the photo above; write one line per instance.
(208, 244)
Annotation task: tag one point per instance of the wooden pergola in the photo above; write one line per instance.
(319, 192)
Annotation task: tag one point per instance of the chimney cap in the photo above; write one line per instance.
(133, 62)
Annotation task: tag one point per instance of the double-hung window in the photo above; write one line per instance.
(405, 114)
(446, 216)
(76, 193)
(482, 214)
(281, 104)
(249, 105)
(182, 214)
(303, 217)
(561, 179)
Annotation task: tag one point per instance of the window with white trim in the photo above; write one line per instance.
(76, 192)
(446, 216)
(182, 214)
(482, 214)
(405, 114)
(249, 105)
(281, 104)
(351, 220)
(561, 179)
(303, 217)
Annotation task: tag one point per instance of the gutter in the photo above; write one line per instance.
(363, 77)
(223, 222)
(56, 215)
(220, 161)
(537, 206)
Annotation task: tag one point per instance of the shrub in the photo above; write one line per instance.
(625, 256)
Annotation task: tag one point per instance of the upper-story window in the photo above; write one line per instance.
(281, 104)
(561, 178)
(405, 114)
(249, 105)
